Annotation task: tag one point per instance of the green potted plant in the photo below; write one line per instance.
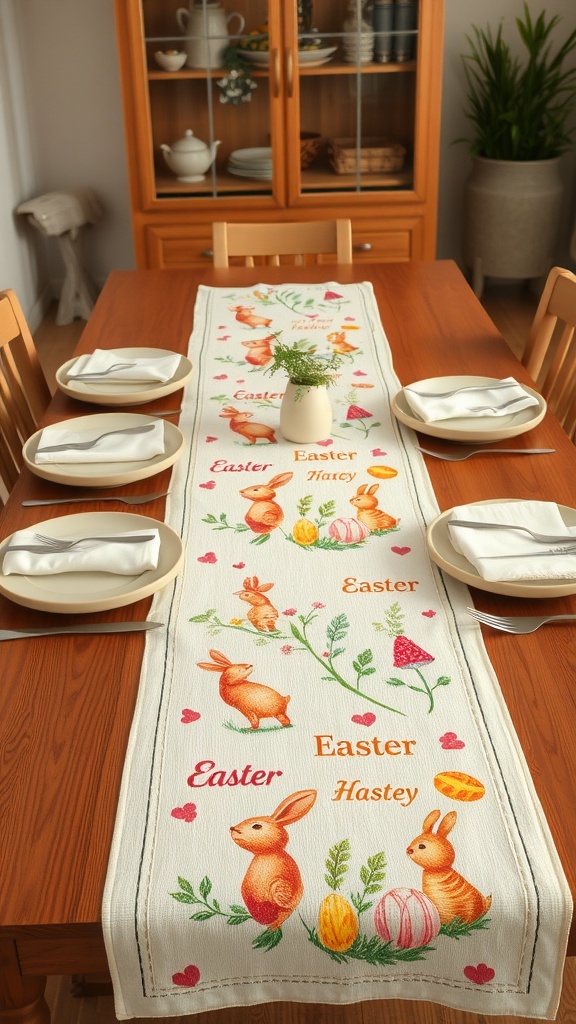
(520, 109)
(305, 410)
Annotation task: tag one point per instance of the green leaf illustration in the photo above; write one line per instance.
(305, 504)
(203, 618)
(337, 864)
(458, 929)
(267, 940)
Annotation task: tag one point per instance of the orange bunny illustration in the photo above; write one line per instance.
(272, 887)
(338, 340)
(253, 700)
(262, 614)
(368, 512)
(239, 424)
(449, 891)
(264, 515)
(259, 350)
(244, 315)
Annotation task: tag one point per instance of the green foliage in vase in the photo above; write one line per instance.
(302, 368)
(520, 108)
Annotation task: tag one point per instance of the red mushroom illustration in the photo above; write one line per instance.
(409, 655)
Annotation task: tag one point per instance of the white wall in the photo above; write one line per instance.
(61, 125)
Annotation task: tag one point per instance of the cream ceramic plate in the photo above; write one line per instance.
(252, 156)
(304, 56)
(79, 592)
(106, 392)
(474, 429)
(105, 474)
(451, 561)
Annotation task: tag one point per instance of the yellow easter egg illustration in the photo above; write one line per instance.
(337, 923)
(305, 532)
(382, 472)
(459, 786)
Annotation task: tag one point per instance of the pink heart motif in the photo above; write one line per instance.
(238, 565)
(359, 373)
(241, 381)
(346, 318)
(400, 551)
(189, 977)
(367, 719)
(186, 813)
(225, 337)
(430, 613)
(209, 557)
(450, 741)
(189, 716)
(326, 443)
(222, 327)
(221, 376)
(209, 485)
(378, 451)
(480, 974)
(210, 438)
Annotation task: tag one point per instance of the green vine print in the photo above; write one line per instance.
(237, 914)
(327, 654)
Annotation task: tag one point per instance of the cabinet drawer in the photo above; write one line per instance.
(398, 243)
(176, 247)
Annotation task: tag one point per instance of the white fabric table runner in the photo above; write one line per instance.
(321, 772)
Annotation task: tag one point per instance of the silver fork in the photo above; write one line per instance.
(83, 446)
(544, 538)
(101, 373)
(127, 499)
(465, 453)
(54, 544)
(470, 387)
(517, 624)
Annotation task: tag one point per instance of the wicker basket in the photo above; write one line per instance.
(309, 148)
(376, 155)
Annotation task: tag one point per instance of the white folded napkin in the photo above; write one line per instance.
(141, 370)
(87, 556)
(499, 555)
(469, 403)
(114, 448)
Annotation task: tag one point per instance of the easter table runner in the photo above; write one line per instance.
(324, 799)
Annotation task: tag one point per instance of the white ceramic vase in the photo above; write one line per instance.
(305, 414)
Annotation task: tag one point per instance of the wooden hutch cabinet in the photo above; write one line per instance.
(371, 97)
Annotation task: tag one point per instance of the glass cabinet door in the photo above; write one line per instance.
(356, 94)
(213, 81)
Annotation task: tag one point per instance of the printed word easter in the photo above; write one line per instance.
(327, 746)
(221, 466)
(351, 585)
(356, 791)
(206, 774)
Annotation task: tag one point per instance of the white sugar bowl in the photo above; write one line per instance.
(170, 60)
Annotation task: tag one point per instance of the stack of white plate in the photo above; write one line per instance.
(255, 162)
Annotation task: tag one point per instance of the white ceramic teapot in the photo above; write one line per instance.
(206, 26)
(189, 158)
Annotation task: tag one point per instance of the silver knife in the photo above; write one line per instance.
(89, 627)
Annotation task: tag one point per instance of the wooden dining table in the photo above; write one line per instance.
(67, 702)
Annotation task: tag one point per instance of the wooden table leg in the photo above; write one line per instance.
(21, 998)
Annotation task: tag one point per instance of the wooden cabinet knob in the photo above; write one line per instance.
(363, 246)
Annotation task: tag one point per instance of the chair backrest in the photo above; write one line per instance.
(271, 241)
(24, 393)
(550, 354)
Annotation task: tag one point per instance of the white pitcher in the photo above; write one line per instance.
(206, 28)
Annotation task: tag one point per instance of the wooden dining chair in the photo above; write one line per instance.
(271, 241)
(550, 354)
(24, 393)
